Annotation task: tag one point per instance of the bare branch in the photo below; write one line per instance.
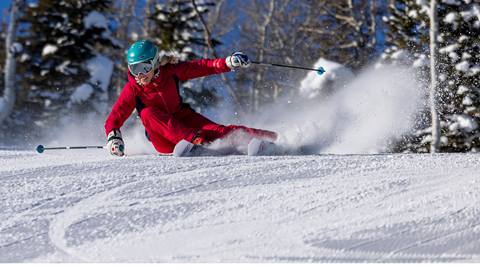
(146, 22)
(208, 40)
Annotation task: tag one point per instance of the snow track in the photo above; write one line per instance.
(86, 206)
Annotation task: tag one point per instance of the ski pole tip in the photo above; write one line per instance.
(320, 70)
(40, 148)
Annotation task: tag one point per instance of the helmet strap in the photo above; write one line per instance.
(155, 75)
(155, 61)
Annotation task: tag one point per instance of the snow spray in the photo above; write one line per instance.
(347, 114)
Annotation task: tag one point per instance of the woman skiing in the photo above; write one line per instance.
(153, 89)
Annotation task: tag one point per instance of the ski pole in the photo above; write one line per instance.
(319, 70)
(41, 148)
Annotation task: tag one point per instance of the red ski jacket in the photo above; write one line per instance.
(162, 92)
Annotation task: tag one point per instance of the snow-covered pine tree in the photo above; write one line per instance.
(177, 30)
(408, 33)
(407, 44)
(459, 71)
(458, 64)
(62, 70)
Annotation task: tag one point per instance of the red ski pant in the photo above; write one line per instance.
(166, 130)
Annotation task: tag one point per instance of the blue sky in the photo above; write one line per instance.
(4, 4)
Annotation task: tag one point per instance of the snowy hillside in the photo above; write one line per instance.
(86, 206)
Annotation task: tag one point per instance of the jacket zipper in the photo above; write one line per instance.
(164, 103)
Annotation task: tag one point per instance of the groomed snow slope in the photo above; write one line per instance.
(76, 206)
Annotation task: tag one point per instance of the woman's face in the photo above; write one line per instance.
(145, 78)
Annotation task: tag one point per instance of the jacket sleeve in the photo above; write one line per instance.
(121, 110)
(200, 68)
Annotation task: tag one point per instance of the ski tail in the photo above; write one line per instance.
(258, 147)
(183, 148)
(187, 149)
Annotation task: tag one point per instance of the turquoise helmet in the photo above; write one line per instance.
(142, 51)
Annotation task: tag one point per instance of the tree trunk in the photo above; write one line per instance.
(8, 100)
(434, 146)
(262, 46)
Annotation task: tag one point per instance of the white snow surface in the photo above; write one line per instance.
(49, 49)
(100, 68)
(463, 122)
(462, 66)
(451, 17)
(95, 19)
(16, 48)
(81, 93)
(86, 206)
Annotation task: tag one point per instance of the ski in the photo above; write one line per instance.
(185, 148)
(257, 147)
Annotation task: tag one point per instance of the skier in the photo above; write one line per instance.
(153, 89)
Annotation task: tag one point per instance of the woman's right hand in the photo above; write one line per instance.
(238, 60)
(115, 143)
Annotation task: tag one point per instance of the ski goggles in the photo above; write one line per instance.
(142, 67)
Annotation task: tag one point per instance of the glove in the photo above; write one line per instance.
(115, 143)
(237, 60)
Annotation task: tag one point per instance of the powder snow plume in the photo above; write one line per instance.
(87, 129)
(360, 116)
